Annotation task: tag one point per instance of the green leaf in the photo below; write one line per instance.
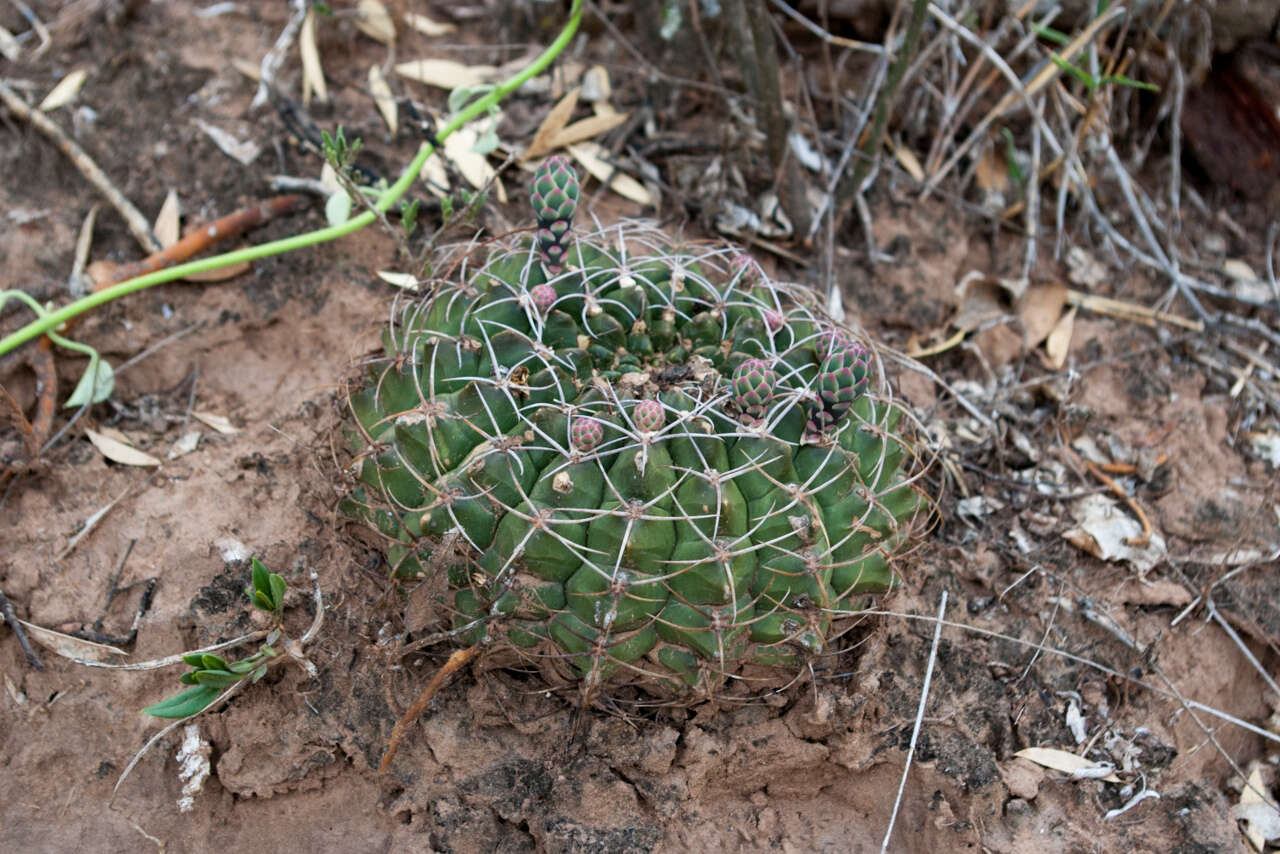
(184, 704)
(261, 576)
(96, 385)
(486, 143)
(263, 601)
(194, 659)
(188, 678)
(272, 638)
(217, 678)
(1130, 82)
(209, 661)
(258, 674)
(458, 98)
(242, 667)
(1050, 34)
(278, 588)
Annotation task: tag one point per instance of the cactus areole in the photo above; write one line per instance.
(641, 465)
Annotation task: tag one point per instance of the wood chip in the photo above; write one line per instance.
(446, 73)
(383, 99)
(65, 92)
(428, 26)
(217, 422)
(374, 21)
(167, 228)
(591, 156)
(312, 72)
(119, 452)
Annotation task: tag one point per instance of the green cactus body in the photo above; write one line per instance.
(651, 466)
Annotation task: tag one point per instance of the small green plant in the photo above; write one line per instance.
(212, 674)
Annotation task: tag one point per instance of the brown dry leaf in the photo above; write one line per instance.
(992, 174)
(167, 228)
(552, 125)
(65, 92)
(917, 351)
(373, 19)
(218, 422)
(475, 168)
(591, 156)
(1068, 763)
(428, 26)
(221, 274)
(252, 70)
(1058, 344)
(69, 646)
(407, 281)
(312, 73)
(119, 452)
(587, 128)
(383, 99)
(908, 160)
(118, 435)
(1039, 310)
(446, 73)
(435, 176)
(981, 299)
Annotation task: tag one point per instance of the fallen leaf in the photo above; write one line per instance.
(475, 168)
(981, 299)
(119, 452)
(69, 646)
(65, 92)
(1039, 310)
(435, 176)
(555, 121)
(10, 49)
(908, 160)
(1106, 531)
(249, 69)
(220, 274)
(186, 443)
(383, 99)
(373, 19)
(167, 228)
(401, 280)
(312, 73)
(446, 73)
(591, 156)
(992, 173)
(596, 85)
(1257, 811)
(245, 151)
(217, 422)
(1069, 763)
(586, 128)
(428, 26)
(1058, 344)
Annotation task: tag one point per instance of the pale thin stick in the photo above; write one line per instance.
(137, 223)
(1235, 638)
(275, 57)
(915, 732)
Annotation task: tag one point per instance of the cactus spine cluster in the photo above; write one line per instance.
(639, 464)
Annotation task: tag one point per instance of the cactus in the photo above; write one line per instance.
(639, 464)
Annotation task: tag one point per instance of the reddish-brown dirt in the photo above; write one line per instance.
(491, 766)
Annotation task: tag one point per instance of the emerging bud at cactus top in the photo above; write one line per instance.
(586, 433)
(773, 320)
(648, 415)
(843, 376)
(746, 269)
(832, 341)
(753, 385)
(544, 296)
(554, 197)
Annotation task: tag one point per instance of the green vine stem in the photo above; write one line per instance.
(53, 319)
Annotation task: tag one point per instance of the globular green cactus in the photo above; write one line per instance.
(639, 464)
